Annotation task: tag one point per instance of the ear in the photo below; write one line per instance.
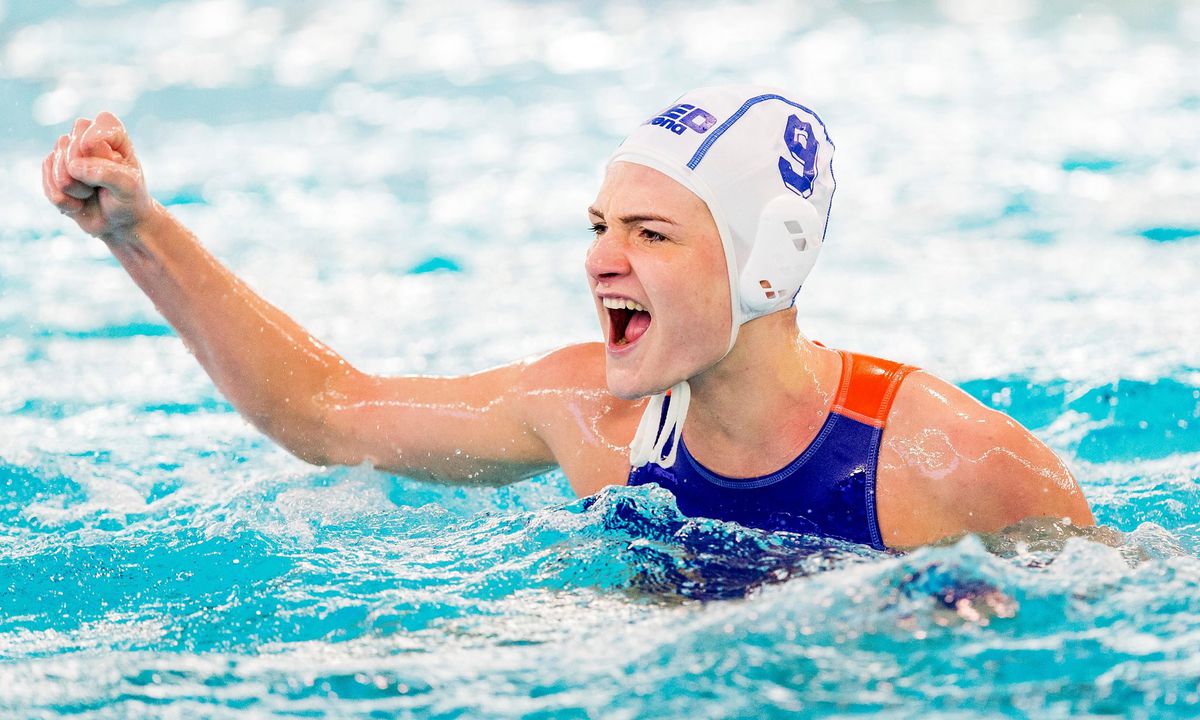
(785, 248)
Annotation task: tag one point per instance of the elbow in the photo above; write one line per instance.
(314, 456)
(309, 437)
(325, 453)
(310, 449)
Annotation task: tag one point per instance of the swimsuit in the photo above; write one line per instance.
(828, 490)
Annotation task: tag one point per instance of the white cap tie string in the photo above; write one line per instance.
(646, 446)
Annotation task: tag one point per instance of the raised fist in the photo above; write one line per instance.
(94, 178)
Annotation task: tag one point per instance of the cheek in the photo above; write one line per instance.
(715, 298)
(699, 317)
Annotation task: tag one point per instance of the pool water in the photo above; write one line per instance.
(1017, 212)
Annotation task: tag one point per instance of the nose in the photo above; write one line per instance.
(607, 258)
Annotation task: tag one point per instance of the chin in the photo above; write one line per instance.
(626, 391)
(630, 388)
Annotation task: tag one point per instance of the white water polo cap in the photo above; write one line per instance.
(763, 163)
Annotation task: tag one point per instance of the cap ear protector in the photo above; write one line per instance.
(785, 248)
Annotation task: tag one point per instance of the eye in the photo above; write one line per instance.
(652, 236)
(598, 228)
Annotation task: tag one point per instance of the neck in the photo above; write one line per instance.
(753, 411)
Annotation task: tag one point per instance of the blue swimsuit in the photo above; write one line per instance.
(828, 490)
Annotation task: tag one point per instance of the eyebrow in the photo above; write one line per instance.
(637, 217)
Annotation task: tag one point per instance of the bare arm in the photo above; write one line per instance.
(491, 427)
(288, 384)
(962, 467)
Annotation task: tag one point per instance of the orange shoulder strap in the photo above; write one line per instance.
(869, 385)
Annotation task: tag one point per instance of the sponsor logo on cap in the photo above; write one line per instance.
(684, 117)
(802, 145)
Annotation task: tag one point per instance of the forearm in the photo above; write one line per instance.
(275, 373)
(285, 382)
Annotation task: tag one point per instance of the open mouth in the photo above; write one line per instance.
(627, 319)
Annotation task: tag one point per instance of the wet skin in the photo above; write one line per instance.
(947, 464)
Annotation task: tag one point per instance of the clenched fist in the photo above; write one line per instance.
(94, 178)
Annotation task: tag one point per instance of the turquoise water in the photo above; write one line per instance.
(1016, 212)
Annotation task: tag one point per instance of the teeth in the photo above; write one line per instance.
(622, 304)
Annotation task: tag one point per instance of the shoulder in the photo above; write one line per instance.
(571, 375)
(950, 464)
(565, 400)
(579, 364)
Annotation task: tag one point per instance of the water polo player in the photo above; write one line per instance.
(709, 218)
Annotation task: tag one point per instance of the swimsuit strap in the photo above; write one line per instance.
(868, 387)
(828, 490)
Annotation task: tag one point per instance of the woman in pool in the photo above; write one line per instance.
(708, 220)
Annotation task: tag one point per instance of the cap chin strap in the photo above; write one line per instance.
(647, 446)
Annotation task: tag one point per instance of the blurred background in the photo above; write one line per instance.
(1017, 183)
